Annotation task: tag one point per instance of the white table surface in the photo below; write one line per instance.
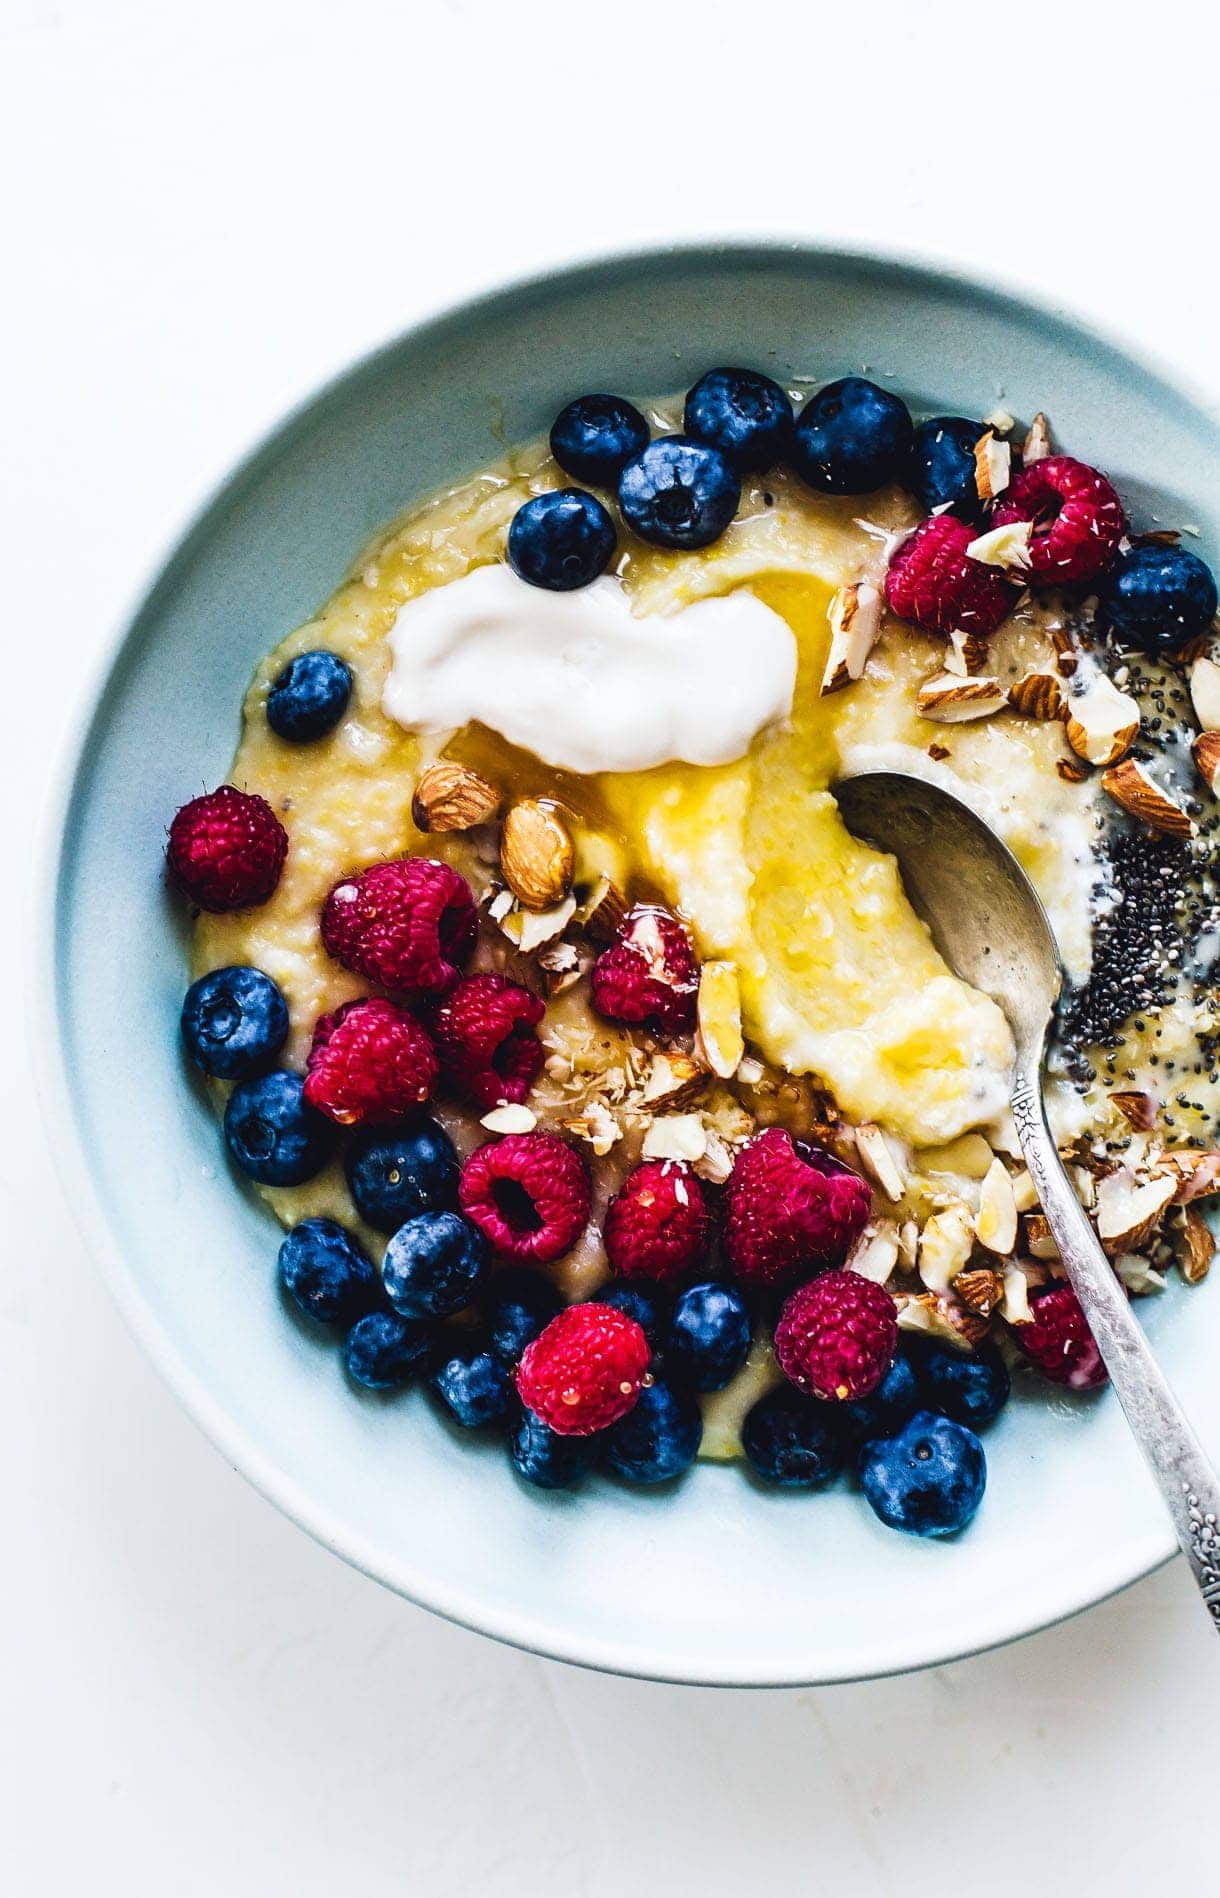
(206, 207)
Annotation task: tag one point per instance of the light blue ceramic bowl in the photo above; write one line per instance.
(718, 1582)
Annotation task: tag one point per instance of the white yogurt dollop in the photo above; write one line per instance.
(579, 681)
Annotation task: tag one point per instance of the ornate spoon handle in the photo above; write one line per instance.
(1187, 1480)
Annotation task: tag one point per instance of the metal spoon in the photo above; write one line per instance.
(990, 927)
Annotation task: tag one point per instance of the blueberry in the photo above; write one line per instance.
(384, 1350)
(793, 1440)
(1158, 597)
(649, 1307)
(971, 1387)
(929, 1479)
(561, 541)
(325, 1273)
(658, 1438)
(709, 1336)
(853, 437)
(394, 1173)
(309, 697)
(546, 1459)
(434, 1265)
(746, 416)
(273, 1134)
(473, 1384)
(233, 1021)
(519, 1304)
(596, 436)
(887, 1408)
(943, 468)
(679, 493)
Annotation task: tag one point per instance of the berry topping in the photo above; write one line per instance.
(1159, 597)
(596, 436)
(309, 697)
(528, 1194)
(943, 470)
(370, 1061)
(747, 416)
(1077, 518)
(542, 1457)
(384, 1350)
(325, 1273)
(836, 1336)
(709, 1336)
(585, 1370)
(790, 1211)
(272, 1132)
(933, 582)
(658, 1438)
(519, 1304)
(853, 437)
(234, 1021)
(887, 1407)
(657, 1226)
(226, 850)
(408, 924)
(485, 1039)
(561, 540)
(649, 975)
(434, 1265)
(679, 493)
(647, 1304)
(928, 1479)
(972, 1387)
(393, 1173)
(473, 1385)
(792, 1440)
(1058, 1341)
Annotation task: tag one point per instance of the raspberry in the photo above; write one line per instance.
(407, 924)
(1058, 1341)
(226, 850)
(1078, 519)
(485, 1039)
(657, 1227)
(649, 976)
(369, 1061)
(790, 1210)
(585, 1370)
(934, 584)
(528, 1194)
(836, 1336)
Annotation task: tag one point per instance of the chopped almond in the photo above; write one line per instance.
(1131, 787)
(1205, 693)
(1101, 722)
(855, 622)
(954, 700)
(995, 1223)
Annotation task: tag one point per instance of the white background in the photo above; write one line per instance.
(205, 208)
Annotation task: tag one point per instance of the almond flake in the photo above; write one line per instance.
(510, 1118)
(1037, 443)
(953, 701)
(676, 1137)
(979, 1290)
(529, 929)
(1137, 1274)
(1015, 1305)
(992, 466)
(1206, 753)
(1131, 787)
(1037, 695)
(995, 1222)
(1024, 1192)
(674, 1080)
(945, 1245)
(879, 1161)
(1101, 722)
(1194, 1246)
(602, 912)
(966, 653)
(597, 1126)
(855, 622)
(1006, 547)
(942, 1317)
(875, 1252)
(1196, 1173)
(1205, 693)
(1138, 1109)
(1128, 1210)
(1002, 422)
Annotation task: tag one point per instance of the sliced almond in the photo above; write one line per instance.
(718, 1015)
(954, 700)
(855, 622)
(597, 1126)
(945, 1245)
(1037, 443)
(1205, 751)
(980, 1290)
(1137, 1108)
(1128, 1210)
(1131, 787)
(875, 1253)
(602, 912)
(879, 1161)
(995, 1223)
(1194, 1246)
(1205, 693)
(1037, 695)
(1101, 722)
(449, 796)
(999, 419)
(674, 1081)
(563, 964)
(676, 1137)
(1024, 1192)
(942, 1317)
(966, 653)
(1067, 658)
(992, 465)
(529, 929)
(510, 1118)
(1138, 1274)
(1015, 1306)
(1196, 1173)
(1006, 547)
(1071, 770)
(536, 855)
(1039, 1240)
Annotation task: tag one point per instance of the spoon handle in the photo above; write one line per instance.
(1188, 1482)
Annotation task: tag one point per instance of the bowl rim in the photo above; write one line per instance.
(50, 1060)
